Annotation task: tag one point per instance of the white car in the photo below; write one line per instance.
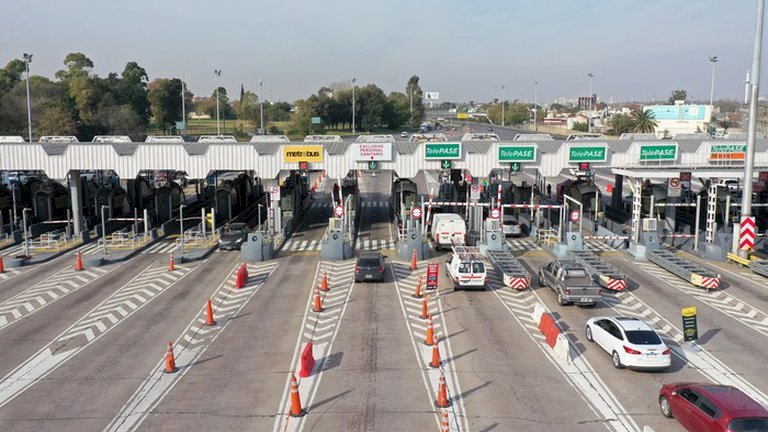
(631, 342)
(403, 134)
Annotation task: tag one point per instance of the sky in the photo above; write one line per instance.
(637, 50)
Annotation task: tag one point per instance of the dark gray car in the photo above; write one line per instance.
(233, 235)
(370, 267)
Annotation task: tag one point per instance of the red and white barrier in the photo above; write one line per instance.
(518, 283)
(616, 284)
(606, 237)
(710, 282)
(532, 206)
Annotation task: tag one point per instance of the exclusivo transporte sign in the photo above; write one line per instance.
(588, 154)
(517, 153)
(442, 150)
(658, 152)
(361, 152)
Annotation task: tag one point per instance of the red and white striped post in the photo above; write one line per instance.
(498, 197)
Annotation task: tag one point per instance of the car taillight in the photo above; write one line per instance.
(567, 291)
(381, 268)
(357, 269)
(666, 351)
(629, 350)
(457, 279)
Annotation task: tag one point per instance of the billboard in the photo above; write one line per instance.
(431, 95)
(678, 112)
(303, 153)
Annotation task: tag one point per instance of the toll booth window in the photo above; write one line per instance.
(464, 268)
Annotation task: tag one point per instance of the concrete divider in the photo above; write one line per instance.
(538, 310)
(562, 349)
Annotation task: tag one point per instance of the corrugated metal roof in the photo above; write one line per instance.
(267, 148)
(482, 147)
(55, 149)
(125, 149)
(196, 148)
(336, 148)
(406, 147)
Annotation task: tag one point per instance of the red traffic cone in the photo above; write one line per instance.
(209, 321)
(2, 265)
(424, 308)
(442, 400)
(435, 363)
(78, 262)
(171, 263)
(324, 283)
(170, 360)
(444, 425)
(318, 305)
(417, 294)
(430, 332)
(307, 361)
(609, 188)
(296, 409)
(414, 260)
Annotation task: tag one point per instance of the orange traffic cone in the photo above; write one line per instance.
(417, 294)
(209, 321)
(424, 308)
(413, 260)
(609, 188)
(296, 409)
(442, 400)
(171, 264)
(430, 332)
(2, 265)
(444, 425)
(435, 363)
(318, 306)
(324, 284)
(78, 262)
(170, 360)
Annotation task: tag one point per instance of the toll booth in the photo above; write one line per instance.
(337, 242)
(259, 246)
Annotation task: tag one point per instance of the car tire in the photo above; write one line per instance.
(665, 407)
(589, 334)
(541, 281)
(560, 299)
(616, 360)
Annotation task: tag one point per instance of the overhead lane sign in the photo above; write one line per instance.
(442, 151)
(658, 152)
(517, 153)
(302, 153)
(362, 152)
(731, 152)
(588, 154)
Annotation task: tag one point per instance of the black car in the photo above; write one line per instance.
(233, 235)
(370, 267)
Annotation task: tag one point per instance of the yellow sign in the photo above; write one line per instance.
(462, 116)
(303, 153)
(689, 311)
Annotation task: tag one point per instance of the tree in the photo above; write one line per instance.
(165, 102)
(11, 75)
(371, 107)
(77, 64)
(415, 96)
(225, 109)
(579, 127)
(54, 120)
(643, 121)
(677, 95)
(621, 123)
(248, 106)
(132, 90)
(396, 113)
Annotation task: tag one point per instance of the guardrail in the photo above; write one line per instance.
(760, 267)
(685, 269)
(607, 275)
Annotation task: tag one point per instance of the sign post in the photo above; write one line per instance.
(747, 233)
(433, 271)
(338, 211)
(690, 326)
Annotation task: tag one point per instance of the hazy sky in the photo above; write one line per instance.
(466, 50)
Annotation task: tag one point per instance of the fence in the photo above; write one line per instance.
(194, 239)
(51, 243)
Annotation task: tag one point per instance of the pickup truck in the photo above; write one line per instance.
(571, 282)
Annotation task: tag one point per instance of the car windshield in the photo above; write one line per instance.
(235, 229)
(643, 337)
(756, 424)
(369, 262)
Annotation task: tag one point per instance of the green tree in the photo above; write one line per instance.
(643, 121)
(371, 108)
(579, 127)
(77, 64)
(415, 96)
(247, 107)
(165, 102)
(396, 113)
(11, 75)
(54, 120)
(621, 123)
(132, 90)
(225, 109)
(678, 95)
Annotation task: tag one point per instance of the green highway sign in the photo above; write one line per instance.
(446, 164)
(515, 167)
(373, 165)
(517, 153)
(442, 150)
(588, 154)
(658, 152)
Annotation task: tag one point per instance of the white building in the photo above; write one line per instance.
(680, 118)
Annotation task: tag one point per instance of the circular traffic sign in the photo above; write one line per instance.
(275, 190)
(338, 211)
(575, 216)
(495, 213)
(416, 213)
(674, 182)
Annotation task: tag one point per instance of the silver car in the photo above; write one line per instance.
(511, 227)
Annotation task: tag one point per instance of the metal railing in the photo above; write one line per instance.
(194, 239)
(548, 236)
(51, 243)
(124, 240)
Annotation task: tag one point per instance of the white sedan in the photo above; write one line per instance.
(631, 342)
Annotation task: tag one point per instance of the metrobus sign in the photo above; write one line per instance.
(588, 154)
(442, 150)
(658, 152)
(727, 152)
(517, 153)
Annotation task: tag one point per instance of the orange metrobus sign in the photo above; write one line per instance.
(728, 152)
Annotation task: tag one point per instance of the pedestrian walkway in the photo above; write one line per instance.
(375, 245)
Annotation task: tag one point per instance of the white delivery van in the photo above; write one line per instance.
(448, 229)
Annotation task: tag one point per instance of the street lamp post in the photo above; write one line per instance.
(183, 106)
(535, 105)
(589, 110)
(353, 105)
(217, 72)
(502, 106)
(27, 61)
(410, 103)
(714, 61)
(261, 106)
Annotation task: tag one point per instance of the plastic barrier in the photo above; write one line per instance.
(605, 274)
(684, 269)
(513, 273)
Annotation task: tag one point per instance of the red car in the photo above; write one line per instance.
(712, 408)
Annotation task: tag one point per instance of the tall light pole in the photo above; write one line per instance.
(502, 106)
(712, 60)
(410, 102)
(589, 110)
(27, 61)
(353, 105)
(261, 106)
(217, 72)
(535, 105)
(183, 105)
(749, 161)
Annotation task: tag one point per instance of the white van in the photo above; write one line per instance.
(448, 229)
